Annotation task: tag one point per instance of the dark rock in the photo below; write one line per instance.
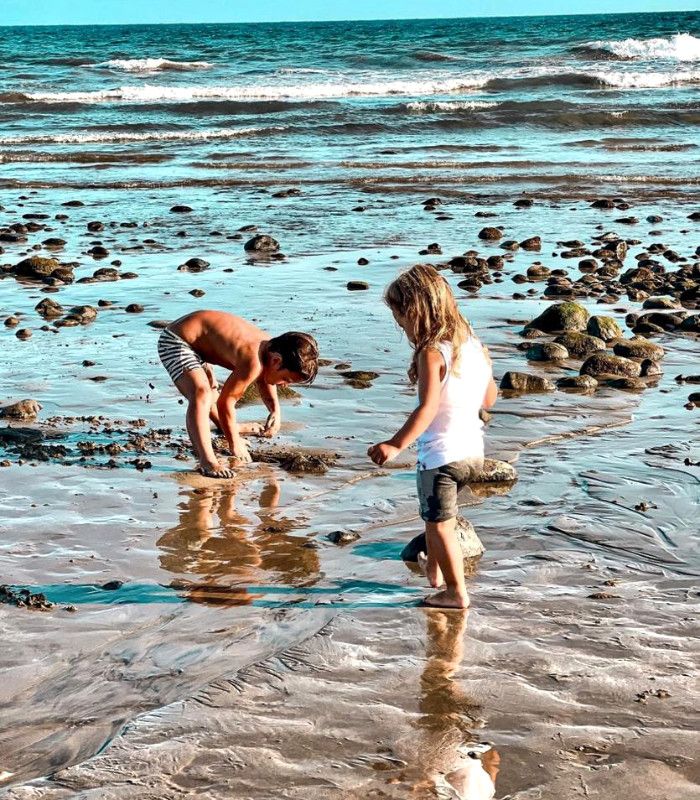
(547, 351)
(48, 308)
(98, 251)
(561, 317)
(580, 345)
(54, 242)
(523, 382)
(650, 368)
(197, 292)
(581, 383)
(95, 226)
(36, 267)
(630, 384)
(533, 243)
(604, 364)
(638, 348)
(195, 265)
(490, 234)
(603, 203)
(24, 334)
(342, 537)
(112, 586)
(523, 202)
(180, 210)
(134, 308)
(262, 243)
(357, 286)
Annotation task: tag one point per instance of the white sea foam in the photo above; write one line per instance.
(449, 105)
(310, 91)
(152, 65)
(681, 47)
(646, 80)
(105, 137)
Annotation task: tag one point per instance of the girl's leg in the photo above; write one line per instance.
(444, 547)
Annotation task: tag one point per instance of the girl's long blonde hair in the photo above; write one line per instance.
(425, 299)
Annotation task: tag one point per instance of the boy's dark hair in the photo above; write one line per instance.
(299, 353)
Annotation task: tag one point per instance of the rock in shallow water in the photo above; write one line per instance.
(262, 244)
(605, 328)
(580, 345)
(547, 351)
(469, 542)
(639, 347)
(524, 382)
(23, 409)
(604, 364)
(561, 317)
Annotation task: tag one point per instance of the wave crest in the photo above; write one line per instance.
(151, 65)
(123, 137)
(680, 47)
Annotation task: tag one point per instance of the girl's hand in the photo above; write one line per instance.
(383, 452)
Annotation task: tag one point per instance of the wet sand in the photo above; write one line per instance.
(236, 652)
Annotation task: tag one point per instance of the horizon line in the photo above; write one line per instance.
(322, 21)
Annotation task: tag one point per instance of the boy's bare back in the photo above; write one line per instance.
(222, 339)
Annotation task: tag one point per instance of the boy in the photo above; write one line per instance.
(190, 345)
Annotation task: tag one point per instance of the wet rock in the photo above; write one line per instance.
(180, 209)
(293, 192)
(604, 364)
(538, 272)
(343, 537)
(359, 379)
(523, 202)
(194, 265)
(36, 267)
(660, 303)
(547, 351)
(12, 322)
(23, 409)
(197, 292)
(533, 243)
(262, 243)
(82, 315)
(605, 328)
(159, 324)
(494, 471)
(650, 368)
(252, 393)
(580, 383)
(48, 308)
(24, 334)
(54, 242)
(357, 286)
(112, 586)
(603, 203)
(469, 543)
(490, 234)
(73, 204)
(524, 382)
(580, 345)
(95, 226)
(630, 384)
(510, 244)
(695, 216)
(134, 308)
(363, 262)
(561, 318)
(23, 598)
(691, 324)
(588, 265)
(639, 347)
(694, 398)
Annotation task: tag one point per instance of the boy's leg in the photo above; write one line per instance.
(194, 386)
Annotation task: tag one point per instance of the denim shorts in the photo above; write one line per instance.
(438, 488)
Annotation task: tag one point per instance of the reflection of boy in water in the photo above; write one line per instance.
(236, 549)
(459, 769)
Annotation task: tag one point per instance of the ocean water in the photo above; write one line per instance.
(565, 104)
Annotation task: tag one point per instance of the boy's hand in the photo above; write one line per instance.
(383, 452)
(272, 425)
(239, 451)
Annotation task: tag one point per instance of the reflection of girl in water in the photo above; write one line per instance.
(454, 768)
(225, 551)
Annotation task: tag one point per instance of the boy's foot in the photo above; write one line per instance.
(218, 473)
(436, 581)
(446, 599)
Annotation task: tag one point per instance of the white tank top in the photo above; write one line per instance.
(456, 432)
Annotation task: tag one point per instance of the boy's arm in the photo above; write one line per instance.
(231, 393)
(430, 364)
(268, 394)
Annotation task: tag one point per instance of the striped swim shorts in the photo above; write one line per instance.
(177, 356)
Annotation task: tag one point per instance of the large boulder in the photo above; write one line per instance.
(604, 364)
(605, 328)
(580, 345)
(524, 382)
(561, 318)
(639, 347)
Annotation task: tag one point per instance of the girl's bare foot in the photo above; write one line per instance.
(431, 571)
(448, 598)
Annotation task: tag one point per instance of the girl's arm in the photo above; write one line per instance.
(430, 366)
(491, 394)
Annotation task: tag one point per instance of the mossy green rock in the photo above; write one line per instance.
(547, 351)
(639, 347)
(605, 328)
(561, 317)
(36, 267)
(252, 394)
(578, 383)
(604, 364)
(580, 345)
(524, 382)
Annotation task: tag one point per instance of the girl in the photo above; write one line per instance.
(454, 377)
